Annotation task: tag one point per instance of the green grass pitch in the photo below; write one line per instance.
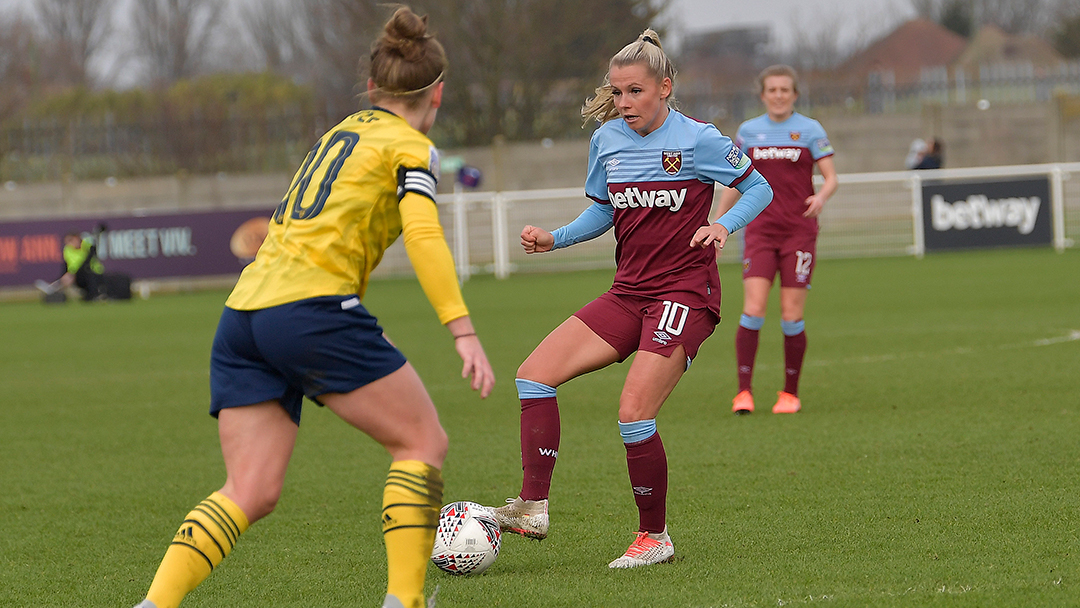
(934, 464)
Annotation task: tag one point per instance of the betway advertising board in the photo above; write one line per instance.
(151, 246)
(984, 213)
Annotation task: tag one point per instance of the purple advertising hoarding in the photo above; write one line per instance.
(151, 246)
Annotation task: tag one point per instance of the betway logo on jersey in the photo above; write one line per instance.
(979, 211)
(634, 197)
(778, 153)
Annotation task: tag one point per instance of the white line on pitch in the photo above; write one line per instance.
(1072, 336)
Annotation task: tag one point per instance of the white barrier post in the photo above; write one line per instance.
(500, 242)
(1057, 200)
(919, 248)
(461, 233)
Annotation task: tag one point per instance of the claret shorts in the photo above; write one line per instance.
(631, 323)
(792, 256)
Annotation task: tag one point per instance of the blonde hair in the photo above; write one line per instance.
(406, 61)
(778, 70)
(645, 51)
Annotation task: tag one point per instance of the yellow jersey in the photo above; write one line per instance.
(344, 207)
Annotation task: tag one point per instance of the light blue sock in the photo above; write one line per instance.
(639, 430)
(527, 389)
(754, 323)
(792, 328)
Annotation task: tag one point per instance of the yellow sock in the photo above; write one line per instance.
(203, 540)
(411, 502)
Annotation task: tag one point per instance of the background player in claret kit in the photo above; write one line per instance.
(784, 146)
(294, 325)
(651, 175)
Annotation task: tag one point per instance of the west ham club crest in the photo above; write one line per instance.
(672, 162)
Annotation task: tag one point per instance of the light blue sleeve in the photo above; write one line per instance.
(594, 221)
(718, 159)
(596, 179)
(819, 142)
(756, 195)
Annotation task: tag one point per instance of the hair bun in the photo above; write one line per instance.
(650, 36)
(406, 60)
(405, 33)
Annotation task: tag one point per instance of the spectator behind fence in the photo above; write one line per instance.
(915, 153)
(934, 157)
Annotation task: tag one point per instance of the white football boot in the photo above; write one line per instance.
(647, 549)
(529, 518)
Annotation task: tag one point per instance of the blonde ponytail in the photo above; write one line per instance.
(645, 51)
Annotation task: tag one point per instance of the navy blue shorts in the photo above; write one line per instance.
(311, 347)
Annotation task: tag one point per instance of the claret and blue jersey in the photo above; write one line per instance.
(660, 188)
(785, 153)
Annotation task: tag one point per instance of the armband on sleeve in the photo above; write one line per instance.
(420, 181)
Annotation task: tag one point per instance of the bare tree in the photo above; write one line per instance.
(822, 48)
(1016, 16)
(954, 15)
(816, 50)
(173, 37)
(17, 71)
(271, 27)
(927, 9)
(1066, 35)
(337, 35)
(74, 32)
(522, 69)
(319, 42)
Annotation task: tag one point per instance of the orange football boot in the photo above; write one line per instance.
(786, 403)
(743, 403)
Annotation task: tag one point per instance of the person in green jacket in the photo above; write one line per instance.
(82, 266)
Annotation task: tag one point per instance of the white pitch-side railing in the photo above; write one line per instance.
(912, 181)
(871, 214)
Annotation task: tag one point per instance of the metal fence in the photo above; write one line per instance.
(54, 149)
(1003, 83)
(871, 215)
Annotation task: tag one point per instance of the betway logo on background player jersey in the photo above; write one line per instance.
(634, 197)
(777, 153)
(979, 211)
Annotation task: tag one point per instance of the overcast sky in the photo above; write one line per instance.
(699, 15)
(853, 20)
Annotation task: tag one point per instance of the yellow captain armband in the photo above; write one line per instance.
(430, 256)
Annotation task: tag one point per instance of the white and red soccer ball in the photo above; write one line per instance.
(467, 539)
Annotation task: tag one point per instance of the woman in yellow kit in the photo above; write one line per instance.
(294, 325)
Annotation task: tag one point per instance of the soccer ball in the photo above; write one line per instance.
(467, 539)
